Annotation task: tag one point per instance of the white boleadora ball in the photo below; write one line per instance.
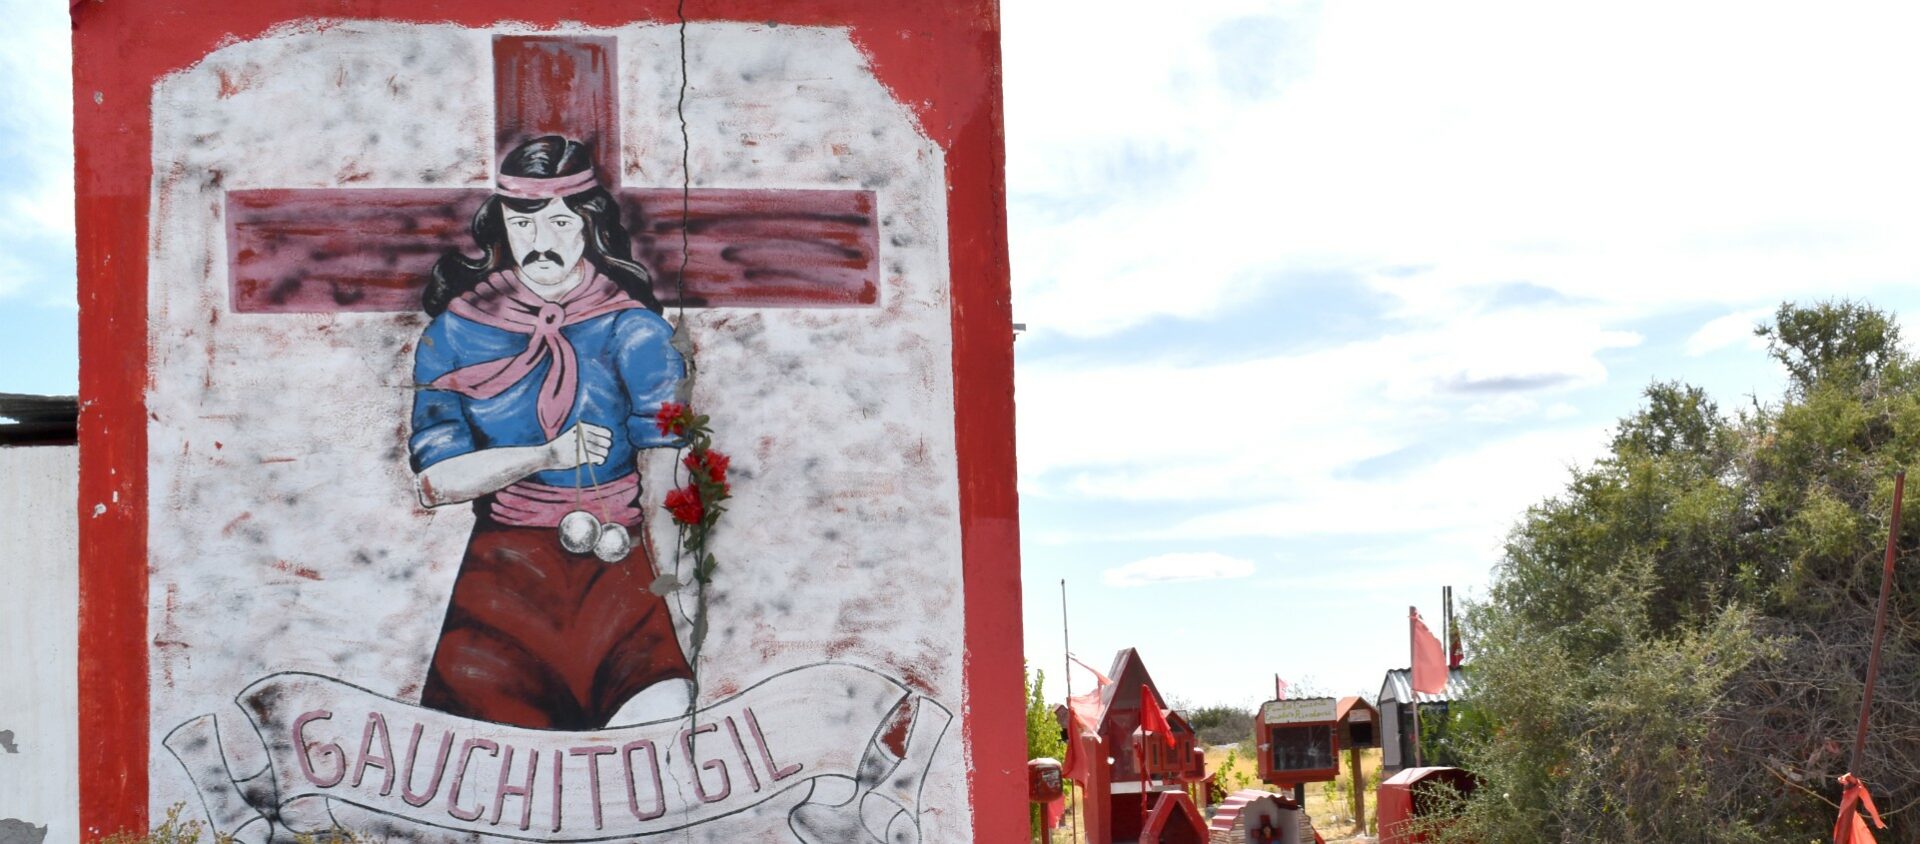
(578, 530)
(613, 544)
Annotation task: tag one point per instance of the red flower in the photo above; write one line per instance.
(672, 418)
(684, 504)
(712, 464)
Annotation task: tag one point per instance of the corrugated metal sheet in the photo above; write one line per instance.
(1398, 686)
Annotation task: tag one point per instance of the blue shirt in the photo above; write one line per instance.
(627, 369)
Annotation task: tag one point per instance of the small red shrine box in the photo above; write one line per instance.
(1044, 780)
(1358, 724)
(1402, 800)
(1298, 740)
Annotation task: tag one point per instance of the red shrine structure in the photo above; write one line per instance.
(1138, 768)
(1300, 739)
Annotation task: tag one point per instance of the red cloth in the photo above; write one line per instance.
(1056, 811)
(545, 187)
(1085, 710)
(1075, 768)
(1429, 660)
(1099, 678)
(1083, 715)
(539, 637)
(1851, 826)
(1152, 719)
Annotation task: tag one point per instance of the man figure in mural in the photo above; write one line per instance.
(537, 384)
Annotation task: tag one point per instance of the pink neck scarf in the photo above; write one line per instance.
(504, 302)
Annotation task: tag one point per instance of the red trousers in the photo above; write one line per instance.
(539, 637)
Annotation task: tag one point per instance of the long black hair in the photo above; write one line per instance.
(607, 244)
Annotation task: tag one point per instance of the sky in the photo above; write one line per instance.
(1320, 297)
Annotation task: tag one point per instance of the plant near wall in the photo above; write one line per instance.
(1443, 729)
(1335, 792)
(1230, 776)
(173, 830)
(1044, 741)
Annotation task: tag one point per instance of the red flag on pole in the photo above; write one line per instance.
(1152, 719)
(1429, 659)
(1851, 826)
(1097, 676)
(1081, 748)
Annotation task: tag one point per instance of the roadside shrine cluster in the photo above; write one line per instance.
(1140, 772)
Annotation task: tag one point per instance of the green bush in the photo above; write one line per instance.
(1673, 648)
(1221, 725)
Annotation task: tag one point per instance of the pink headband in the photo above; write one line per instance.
(533, 187)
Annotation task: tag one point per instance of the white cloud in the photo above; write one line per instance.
(1482, 491)
(1430, 154)
(1445, 430)
(1289, 426)
(1734, 329)
(13, 275)
(1175, 568)
(1374, 574)
(36, 140)
(1479, 142)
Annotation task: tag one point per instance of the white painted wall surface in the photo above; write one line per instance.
(39, 629)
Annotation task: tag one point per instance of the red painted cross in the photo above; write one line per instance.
(312, 251)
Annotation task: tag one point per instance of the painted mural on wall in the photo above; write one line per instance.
(552, 440)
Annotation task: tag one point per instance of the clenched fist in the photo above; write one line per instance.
(581, 444)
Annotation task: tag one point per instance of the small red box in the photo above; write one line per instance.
(1043, 780)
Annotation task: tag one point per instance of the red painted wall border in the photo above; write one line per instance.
(941, 58)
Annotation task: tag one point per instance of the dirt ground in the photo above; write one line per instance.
(1333, 820)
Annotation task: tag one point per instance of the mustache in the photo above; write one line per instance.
(538, 255)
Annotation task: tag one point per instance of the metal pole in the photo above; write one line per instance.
(1879, 624)
(1411, 691)
(1066, 643)
(1073, 732)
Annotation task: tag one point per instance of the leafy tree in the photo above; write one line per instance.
(1843, 342)
(1045, 739)
(1221, 725)
(1673, 648)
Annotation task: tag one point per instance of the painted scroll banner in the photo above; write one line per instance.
(856, 742)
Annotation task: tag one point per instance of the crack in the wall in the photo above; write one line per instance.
(16, 831)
